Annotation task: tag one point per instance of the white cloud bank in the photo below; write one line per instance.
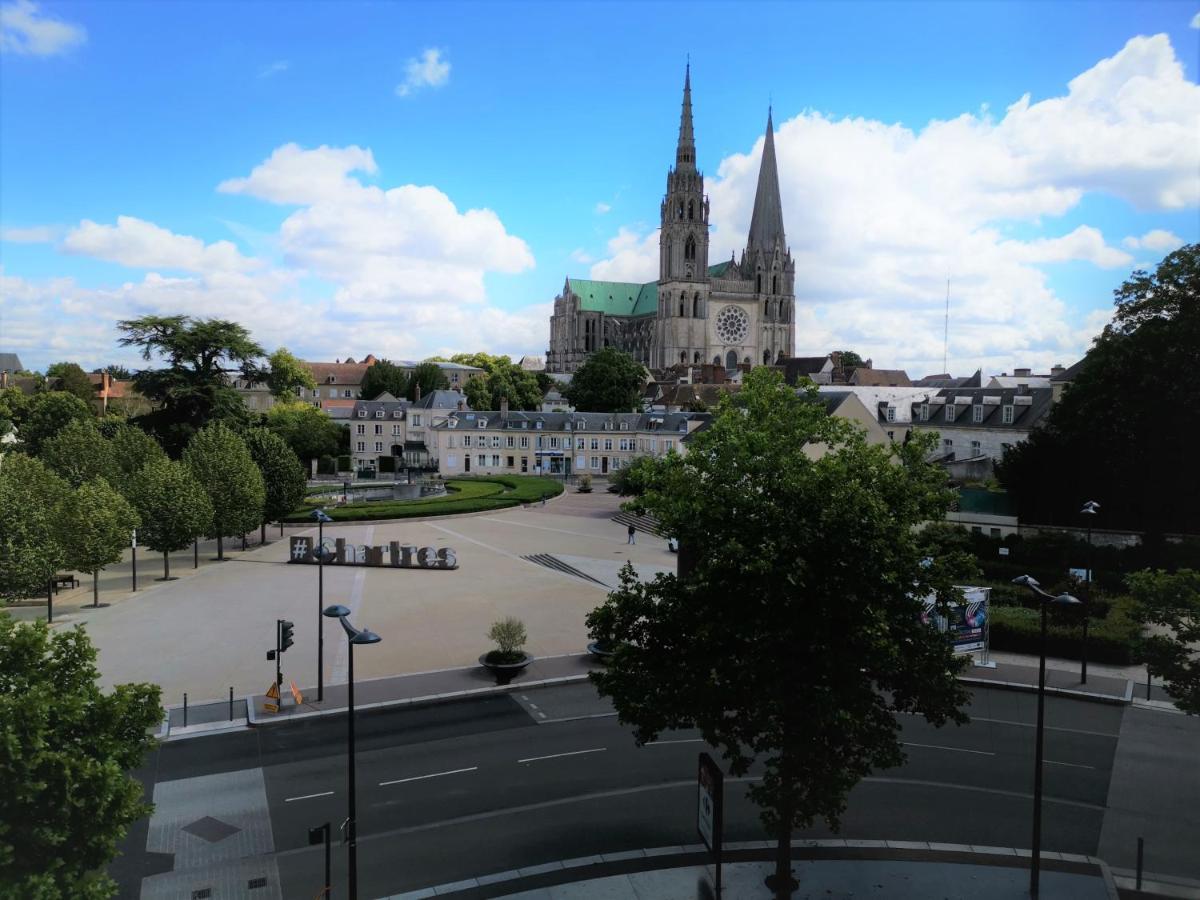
(26, 31)
(879, 215)
(1158, 240)
(427, 70)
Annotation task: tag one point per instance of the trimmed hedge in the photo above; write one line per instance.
(1110, 640)
(467, 495)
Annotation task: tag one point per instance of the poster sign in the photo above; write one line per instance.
(710, 809)
(392, 556)
(965, 624)
(296, 695)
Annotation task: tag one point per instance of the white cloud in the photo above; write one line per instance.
(602, 208)
(879, 215)
(582, 257)
(297, 176)
(34, 234)
(1158, 239)
(26, 31)
(140, 244)
(1195, 23)
(427, 70)
(274, 68)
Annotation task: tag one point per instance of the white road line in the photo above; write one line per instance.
(423, 777)
(557, 755)
(1055, 762)
(685, 741)
(308, 796)
(951, 749)
(541, 714)
(1104, 734)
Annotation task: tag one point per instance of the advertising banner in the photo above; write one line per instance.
(965, 624)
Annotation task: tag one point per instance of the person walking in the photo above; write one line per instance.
(632, 535)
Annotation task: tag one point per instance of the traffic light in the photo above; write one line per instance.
(285, 635)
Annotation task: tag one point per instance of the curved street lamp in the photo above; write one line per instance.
(1090, 510)
(323, 556)
(1044, 599)
(353, 636)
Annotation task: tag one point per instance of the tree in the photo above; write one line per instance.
(476, 392)
(288, 375)
(194, 389)
(221, 463)
(133, 449)
(428, 377)
(98, 524)
(1124, 408)
(501, 379)
(30, 526)
(793, 632)
(307, 430)
(14, 406)
(70, 377)
(66, 799)
(383, 377)
(1170, 603)
(283, 476)
(79, 453)
(47, 414)
(173, 507)
(847, 360)
(116, 372)
(608, 381)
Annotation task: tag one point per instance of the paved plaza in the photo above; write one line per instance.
(210, 630)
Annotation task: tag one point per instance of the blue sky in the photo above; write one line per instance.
(476, 154)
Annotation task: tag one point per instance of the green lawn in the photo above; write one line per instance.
(464, 495)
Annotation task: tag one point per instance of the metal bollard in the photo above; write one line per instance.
(1147, 682)
(1139, 864)
(185, 709)
(231, 703)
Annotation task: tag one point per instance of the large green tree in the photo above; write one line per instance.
(608, 381)
(79, 453)
(1169, 603)
(98, 525)
(47, 414)
(31, 550)
(70, 377)
(200, 358)
(221, 463)
(66, 748)
(1122, 433)
(500, 379)
(426, 376)
(384, 377)
(14, 406)
(133, 449)
(307, 430)
(173, 506)
(793, 633)
(283, 475)
(287, 374)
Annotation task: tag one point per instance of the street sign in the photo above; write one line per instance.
(273, 691)
(271, 707)
(296, 695)
(710, 809)
(1004, 551)
(133, 541)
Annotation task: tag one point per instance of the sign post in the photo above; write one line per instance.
(710, 810)
(133, 545)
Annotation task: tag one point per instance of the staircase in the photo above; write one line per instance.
(553, 562)
(644, 524)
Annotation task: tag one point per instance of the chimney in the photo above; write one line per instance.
(1057, 369)
(460, 405)
(503, 408)
(1022, 373)
(417, 398)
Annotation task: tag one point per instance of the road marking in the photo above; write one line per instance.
(423, 777)
(951, 749)
(541, 714)
(684, 741)
(531, 705)
(1055, 762)
(308, 796)
(1105, 734)
(557, 755)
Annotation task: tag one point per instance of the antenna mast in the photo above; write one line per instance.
(946, 331)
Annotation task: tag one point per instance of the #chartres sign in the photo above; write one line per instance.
(394, 555)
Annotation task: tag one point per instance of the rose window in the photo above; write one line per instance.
(732, 325)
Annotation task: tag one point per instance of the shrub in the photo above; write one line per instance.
(1110, 640)
(326, 465)
(509, 635)
(343, 464)
(585, 483)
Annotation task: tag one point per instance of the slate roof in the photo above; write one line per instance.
(880, 377)
(1025, 416)
(558, 421)
(949, 381)
(440, 399)
(833, 399)
(10, 362)
(795, 366)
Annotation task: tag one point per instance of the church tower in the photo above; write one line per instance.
(683, 252)
(768, 262)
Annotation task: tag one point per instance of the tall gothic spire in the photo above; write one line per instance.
(766, 223)
(685, 153)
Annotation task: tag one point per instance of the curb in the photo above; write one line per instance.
(1071, 693)
(658, 858)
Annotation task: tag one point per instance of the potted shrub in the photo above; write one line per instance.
(602, 649)
(508, 658)
(585, 484)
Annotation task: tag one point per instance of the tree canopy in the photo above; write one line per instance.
(193, 389)
(608, 381)
(283, 476)
(173, 506)
(70, 377)
(221, 463)
(501, 378)
(428, 377)
(1119, 434)
(46, 415)
(797, 610)
(66, 798)
(98, 525)
(307, 430)
(384, 377)
(31, 549)
(79, 453)
(287, 375)
(133, 449)
(1171, 603)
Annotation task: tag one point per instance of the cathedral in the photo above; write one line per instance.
(737, 312)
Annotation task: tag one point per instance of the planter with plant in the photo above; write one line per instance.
(508, 659)
(585, 484)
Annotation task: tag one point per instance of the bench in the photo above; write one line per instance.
(62, 580)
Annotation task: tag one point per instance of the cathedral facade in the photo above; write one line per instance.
(740, 311)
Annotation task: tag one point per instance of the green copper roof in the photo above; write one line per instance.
(616, 298)
(719, 269)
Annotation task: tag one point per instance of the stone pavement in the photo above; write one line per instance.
(829, 870)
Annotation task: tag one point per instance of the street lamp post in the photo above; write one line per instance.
(353, 636)
(1044, 598)
(321, 518)
(1089, 511)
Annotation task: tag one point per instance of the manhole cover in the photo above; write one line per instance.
(210, 829)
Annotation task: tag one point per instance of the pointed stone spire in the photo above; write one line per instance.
(685, 153)
(766, 222)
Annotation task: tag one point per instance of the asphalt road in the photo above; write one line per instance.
(459, 790)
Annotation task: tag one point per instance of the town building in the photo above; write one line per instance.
(981, 423)
(389, 434)
(738, 312)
